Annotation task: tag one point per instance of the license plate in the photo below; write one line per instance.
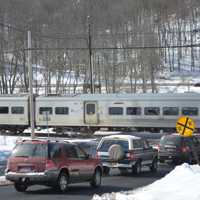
(25, 169)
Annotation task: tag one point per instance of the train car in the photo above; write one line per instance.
(14, 112)
(140, 111)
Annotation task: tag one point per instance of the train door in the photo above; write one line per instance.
(91, 112)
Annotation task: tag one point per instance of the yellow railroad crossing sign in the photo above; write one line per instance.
(185, 126)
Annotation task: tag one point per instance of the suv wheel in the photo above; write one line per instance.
(137, 168)
(96, 179)
(63, 181)
(106, 171)
(20, 187)
(154, 165)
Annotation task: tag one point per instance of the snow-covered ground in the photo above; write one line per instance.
(180, 184)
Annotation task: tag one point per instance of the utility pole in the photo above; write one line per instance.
(30, 72)
(90, 57)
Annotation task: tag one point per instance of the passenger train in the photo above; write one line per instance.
(95, 111)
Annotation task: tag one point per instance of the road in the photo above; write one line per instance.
(113, 183)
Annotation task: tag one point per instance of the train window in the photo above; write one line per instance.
(170, 110)
(192, 111)
(45, 109)
(133, 111)
(90, 109)
(17, 110)
(3, 110)
(115, 111)
(151, 110)
(61, 110)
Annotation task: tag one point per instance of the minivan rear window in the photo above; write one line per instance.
(30, 150)
(107, 143)
(173, 141)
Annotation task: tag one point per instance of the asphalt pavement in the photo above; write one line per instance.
(113, 183)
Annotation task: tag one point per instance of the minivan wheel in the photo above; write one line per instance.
(154, 165)
(20, 187)
(63, 182)
(96, 179)
(137, 168)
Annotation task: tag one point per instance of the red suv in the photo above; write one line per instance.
(51, 163)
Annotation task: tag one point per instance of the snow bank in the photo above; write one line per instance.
(180, 184)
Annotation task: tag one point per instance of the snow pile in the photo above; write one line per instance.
(180, 184)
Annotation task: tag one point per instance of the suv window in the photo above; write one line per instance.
(146, 144)
(170, 140)
(30, 150)
(107, 143)
(137, 144)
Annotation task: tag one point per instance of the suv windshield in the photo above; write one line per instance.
(30, 150)
(170, 140)
(107, 143)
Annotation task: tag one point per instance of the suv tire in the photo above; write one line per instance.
(136, 169)
(63, 181)
(96, 179)
(20, 187)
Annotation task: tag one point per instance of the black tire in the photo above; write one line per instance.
(154, 165)
(63, 181)
(96, 179)
(137, 168)
(106, 171)
(123, 171)
(20, 187)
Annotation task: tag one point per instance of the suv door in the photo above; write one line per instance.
(149, 154)
(138, 149)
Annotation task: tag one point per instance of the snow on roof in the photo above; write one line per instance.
(180, 184)
(106, 133)
(121, 137)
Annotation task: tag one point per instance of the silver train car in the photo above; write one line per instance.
(14, 112)
(95, 111)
